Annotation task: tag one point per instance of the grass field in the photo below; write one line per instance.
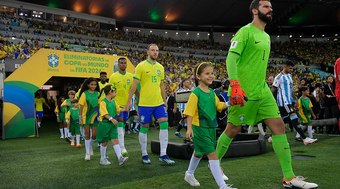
(49, 162)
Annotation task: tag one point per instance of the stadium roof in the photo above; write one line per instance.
(218, 14)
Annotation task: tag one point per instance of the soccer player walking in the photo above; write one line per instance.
(152, 100)
(122, 81)
(283, 87)
(246, 65)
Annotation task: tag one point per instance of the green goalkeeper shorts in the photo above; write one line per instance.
(254, 111)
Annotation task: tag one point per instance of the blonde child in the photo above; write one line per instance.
(107, 128)
(72, 120)
(67, 103)
(201, 119)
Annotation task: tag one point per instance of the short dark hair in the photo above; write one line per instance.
(121, 58)
(102, 73)
(74, 101)
(303, 88)
(289, 63)
(255, 5)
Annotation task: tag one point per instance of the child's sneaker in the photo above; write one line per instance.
(87, 157)
(166, 160)
(227, 186)
(146, 160)
(298, 182)
(191, 180)
(104, 162)
(308, 140)
(122, 160)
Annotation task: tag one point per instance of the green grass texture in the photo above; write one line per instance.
(50, 162)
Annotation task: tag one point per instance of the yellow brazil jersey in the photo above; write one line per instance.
(123, 84)
(191, 108)
(39, 104)
(84, 103)
(101, 86)
(150, 76)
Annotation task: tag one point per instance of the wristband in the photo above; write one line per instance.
(111, 118)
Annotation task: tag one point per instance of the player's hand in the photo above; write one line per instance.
(80, 120)
(114, 121)
(189, 134)
(237, 95)
(174, 110)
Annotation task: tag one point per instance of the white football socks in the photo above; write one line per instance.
(143, 138)
(163, 141)
(194, 161)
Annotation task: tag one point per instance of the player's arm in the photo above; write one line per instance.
(131, 93)
(189, 113)
(220, 106)
(163, 92)
(237, 95)
(68, 118)
(64, 104)
(82, 101)
(275, 86)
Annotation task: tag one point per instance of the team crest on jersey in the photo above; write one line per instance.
(53, 60)
(128, 81)
(241, 118)
(159, 72)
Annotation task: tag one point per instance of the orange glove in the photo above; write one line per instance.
(237, 95)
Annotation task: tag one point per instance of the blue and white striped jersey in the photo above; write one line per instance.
(133, 103)
(284, 84)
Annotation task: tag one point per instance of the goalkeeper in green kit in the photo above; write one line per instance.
(250, 97)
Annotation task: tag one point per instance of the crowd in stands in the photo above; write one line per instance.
(177, 67)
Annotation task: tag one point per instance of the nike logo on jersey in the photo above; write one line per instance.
(256, 42)
(147, 72)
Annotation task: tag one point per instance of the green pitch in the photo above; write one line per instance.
(49, 162)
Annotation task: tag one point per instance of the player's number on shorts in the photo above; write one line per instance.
(153, 79)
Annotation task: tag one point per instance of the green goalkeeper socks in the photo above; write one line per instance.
(282, 150)
(222, 145)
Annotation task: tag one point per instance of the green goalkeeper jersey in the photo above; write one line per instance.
(253, 46)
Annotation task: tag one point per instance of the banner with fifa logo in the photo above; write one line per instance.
(20, 86)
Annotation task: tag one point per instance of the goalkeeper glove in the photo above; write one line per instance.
(237, 95)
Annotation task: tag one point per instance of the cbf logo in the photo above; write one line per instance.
(142, 118)
(128, 81)
(53, 60)
(241, 118)
(159, 72)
